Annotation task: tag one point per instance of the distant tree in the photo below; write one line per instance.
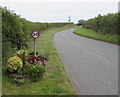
(80, 22)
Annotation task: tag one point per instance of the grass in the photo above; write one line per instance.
(55, 80)
(92, 34)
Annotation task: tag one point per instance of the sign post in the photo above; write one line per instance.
(35, 47)
(35, 35)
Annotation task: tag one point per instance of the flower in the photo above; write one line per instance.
(31, 61)
(42, 63)
(26, 62)
(13, 63)
(19, 56)
(23, 52)
(36, 53)
(32, 53)
(38, 59)
(24, 47)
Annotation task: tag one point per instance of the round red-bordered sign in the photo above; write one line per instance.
(35, 34)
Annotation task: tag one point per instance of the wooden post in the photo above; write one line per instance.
(35, 47)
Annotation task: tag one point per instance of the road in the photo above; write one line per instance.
(91, 64)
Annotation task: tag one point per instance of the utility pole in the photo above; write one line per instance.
(69, 18)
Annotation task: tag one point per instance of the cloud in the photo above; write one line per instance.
(59, 0)
(59, 11)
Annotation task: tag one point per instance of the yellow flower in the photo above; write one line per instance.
(13, 63)
(24, 47)
(21, 52)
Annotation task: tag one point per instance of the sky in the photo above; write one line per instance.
(60, 10)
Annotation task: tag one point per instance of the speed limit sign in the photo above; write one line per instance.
(35, 34)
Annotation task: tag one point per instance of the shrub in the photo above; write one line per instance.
(19, 79)
(13, 64)
(38, 59)
(107, 24)
(21, 52)
(16, 31)
(36, 71)
(25, 66)
(23, 55)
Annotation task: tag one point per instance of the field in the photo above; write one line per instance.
(92, 34)
(55, 80)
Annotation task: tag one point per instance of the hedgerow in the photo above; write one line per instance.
(107, 24)
(16, 31)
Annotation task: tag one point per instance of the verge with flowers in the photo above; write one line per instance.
(24, 66)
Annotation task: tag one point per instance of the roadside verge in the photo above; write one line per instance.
(95, 35)
(55, 80)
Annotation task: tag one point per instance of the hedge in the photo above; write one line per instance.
(16, 31)
(107, 24)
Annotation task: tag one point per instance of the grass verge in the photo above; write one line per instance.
(55, 80)
(92, 34)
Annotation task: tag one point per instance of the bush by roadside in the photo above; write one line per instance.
(24, 66)
(107, 24)
(16, 32)
(92, 34)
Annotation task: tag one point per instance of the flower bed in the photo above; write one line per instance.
(24, 66)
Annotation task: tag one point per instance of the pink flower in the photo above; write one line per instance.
(26, 62)
(31, 61)
(42, 63)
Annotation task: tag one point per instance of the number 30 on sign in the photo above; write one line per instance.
(35, 34)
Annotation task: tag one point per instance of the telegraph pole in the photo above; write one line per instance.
(69, 18)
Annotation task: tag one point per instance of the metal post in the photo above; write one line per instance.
(35, 47)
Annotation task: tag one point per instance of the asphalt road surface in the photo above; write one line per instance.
(91, 64)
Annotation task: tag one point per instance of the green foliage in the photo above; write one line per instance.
(55, 80)
(17, 31)
(11, 28)
(13, 64)
(107, 24)
(25, 66)
(21, 52)
(19, 79)
(36, 71)
(43, 57)
(92, 34)
(118, 30)
(80, 22)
